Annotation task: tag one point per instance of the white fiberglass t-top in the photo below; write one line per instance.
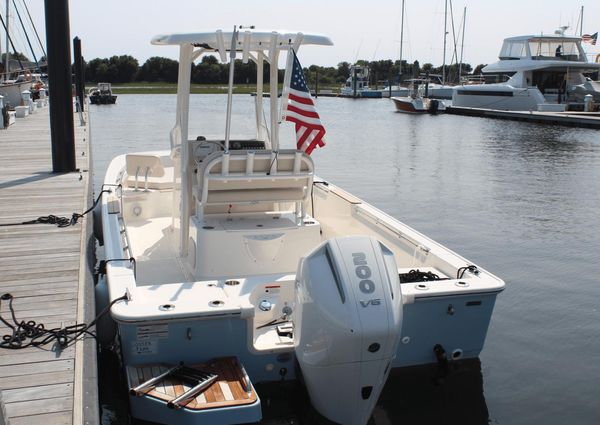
(260, 47)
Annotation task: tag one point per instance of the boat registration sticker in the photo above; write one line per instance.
(144, 347)
(152, 332)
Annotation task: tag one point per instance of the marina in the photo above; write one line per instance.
(287, 258)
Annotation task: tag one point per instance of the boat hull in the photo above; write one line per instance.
(157, 411)
(12, 93)
(103, 100)
(418, 105)
(498, 96)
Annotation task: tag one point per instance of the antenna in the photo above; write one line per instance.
(376, 48)
(230, 88)
(445, 35)
(401, 42)
(462, 43)
(358, 50)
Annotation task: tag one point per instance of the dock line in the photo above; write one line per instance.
(60, 221)
(26, 333)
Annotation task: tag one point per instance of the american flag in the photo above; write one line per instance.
(300, 109)
(586, 38)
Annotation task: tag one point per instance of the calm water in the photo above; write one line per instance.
(521, 200)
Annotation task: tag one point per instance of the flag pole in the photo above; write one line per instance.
(287, 77)
(230, 88)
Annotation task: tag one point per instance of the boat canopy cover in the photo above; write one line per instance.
(548, 37)
(258, 40)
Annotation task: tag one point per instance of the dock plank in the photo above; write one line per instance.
(60, 418)
(37, 393)
(36, 407)
(44, 268)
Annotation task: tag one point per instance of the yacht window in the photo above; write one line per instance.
(513, 50)
(546, 49)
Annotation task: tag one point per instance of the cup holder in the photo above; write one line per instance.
(166, 307)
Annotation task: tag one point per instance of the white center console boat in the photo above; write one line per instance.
(240, 265)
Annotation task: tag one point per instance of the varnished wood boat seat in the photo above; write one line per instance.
(226, 391)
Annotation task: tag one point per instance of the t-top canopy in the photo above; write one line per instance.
(247, 39)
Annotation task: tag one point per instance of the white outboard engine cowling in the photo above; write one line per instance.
(347, 325)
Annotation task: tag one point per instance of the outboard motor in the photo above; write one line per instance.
(434, 105)
(347, 325)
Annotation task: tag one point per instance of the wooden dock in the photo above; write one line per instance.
(48, 270)
(571, 119)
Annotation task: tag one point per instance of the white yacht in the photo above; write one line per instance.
(230, 262)
(535, 72)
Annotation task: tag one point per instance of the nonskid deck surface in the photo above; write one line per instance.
(153, 248)
(227, 390)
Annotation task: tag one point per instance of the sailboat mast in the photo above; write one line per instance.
(7, 54)
(462, 44)
(401, 42)
(445, 35)
(26, 35)
(581, 20)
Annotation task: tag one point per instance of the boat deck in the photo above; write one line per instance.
(227, 390)
(46, 270)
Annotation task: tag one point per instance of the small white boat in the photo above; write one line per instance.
(436, 89)
(535, 72)
(357, 84)
(418, 102)
(233, 258)
(102, 95)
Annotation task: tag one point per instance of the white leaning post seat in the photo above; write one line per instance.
(150, 168)
(254, 184)
(253, 177)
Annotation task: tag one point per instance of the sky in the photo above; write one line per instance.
(367, 30)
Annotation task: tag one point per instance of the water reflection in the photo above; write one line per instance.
(416, 395)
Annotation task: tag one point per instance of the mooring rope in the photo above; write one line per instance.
(31, 334)
(60, 221)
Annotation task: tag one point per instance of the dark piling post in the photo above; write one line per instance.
(317, 83)
(59, 79)
(79, 71)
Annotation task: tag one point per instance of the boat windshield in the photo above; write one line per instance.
(514, 50)
(567, 50)
(543, 49)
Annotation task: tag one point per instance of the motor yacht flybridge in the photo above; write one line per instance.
(241, 266)
(535, 72)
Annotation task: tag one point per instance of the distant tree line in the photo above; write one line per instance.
(126, 69)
